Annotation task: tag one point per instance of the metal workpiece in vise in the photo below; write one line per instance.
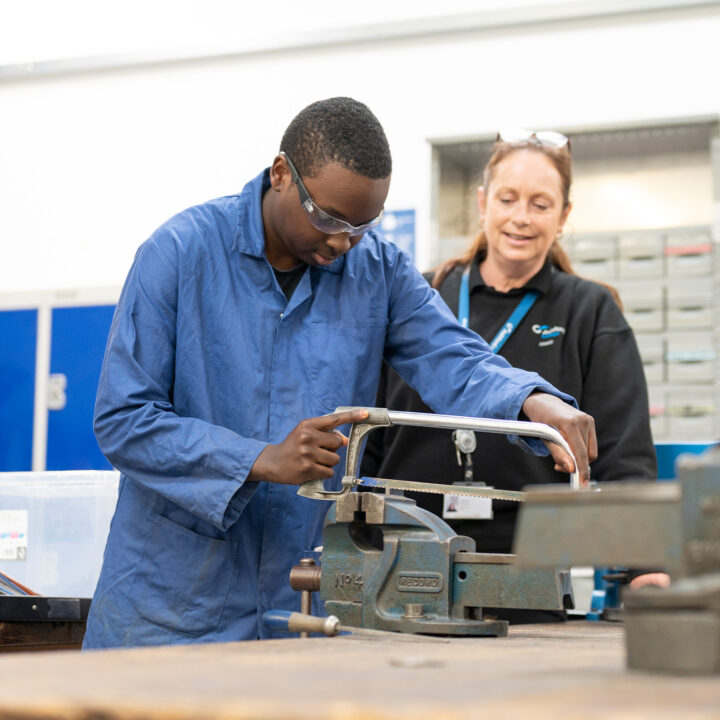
(673, 525)
(389, 565)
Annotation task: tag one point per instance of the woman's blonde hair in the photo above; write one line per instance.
(562, 161)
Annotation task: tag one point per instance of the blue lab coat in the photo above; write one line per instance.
(206, 363)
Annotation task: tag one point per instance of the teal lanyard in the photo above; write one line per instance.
(508, 326)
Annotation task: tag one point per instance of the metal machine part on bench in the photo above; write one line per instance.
(389, 565)
(671, 525)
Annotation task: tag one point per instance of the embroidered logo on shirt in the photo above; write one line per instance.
(547, 334)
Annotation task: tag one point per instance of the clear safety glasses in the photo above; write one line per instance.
(319, 218)
(544, 137)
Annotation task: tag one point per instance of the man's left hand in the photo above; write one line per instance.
(577, 427)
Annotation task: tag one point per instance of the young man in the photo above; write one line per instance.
(242, 323)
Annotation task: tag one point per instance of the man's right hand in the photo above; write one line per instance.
(309, 452)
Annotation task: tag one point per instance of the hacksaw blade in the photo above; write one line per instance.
(473, 490)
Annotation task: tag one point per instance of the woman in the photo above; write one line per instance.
(516, 288)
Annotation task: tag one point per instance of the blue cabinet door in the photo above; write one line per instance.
(18, 339)
(79, 336)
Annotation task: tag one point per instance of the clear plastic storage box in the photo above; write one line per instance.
(53, 528)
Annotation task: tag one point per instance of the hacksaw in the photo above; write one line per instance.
(474, 491)
(381, 417)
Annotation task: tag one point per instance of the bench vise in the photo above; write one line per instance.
(387, 564)
(390, 565)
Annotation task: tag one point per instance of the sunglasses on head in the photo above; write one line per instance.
(548, 138)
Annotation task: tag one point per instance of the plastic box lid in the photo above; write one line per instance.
(53, 528)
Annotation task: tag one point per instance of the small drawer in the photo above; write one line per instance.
(643, 305)
(691, 428)
(690, 416)
(689, 264)
(596, 268)
(689, 253)
(690, 304)
(690, 314)
(689, 404)
(641, 266)
(593, 248)
(690, 358)
(640, 256)
(643, 309)
(594, 257)
(692, 368)
(640, 245)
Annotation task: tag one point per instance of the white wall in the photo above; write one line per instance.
(91, 163)
(658, 192)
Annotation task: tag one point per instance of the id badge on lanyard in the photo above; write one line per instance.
(464, 507)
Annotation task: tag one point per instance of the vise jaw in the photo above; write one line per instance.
(389, 565)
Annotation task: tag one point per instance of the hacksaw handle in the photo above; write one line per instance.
(377, 417)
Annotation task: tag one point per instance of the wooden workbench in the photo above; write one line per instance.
(573, 670)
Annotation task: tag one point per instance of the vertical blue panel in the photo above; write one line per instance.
(399, 227)
(79, 336)
(18, 337)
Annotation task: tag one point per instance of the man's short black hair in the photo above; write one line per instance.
(338, 130)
